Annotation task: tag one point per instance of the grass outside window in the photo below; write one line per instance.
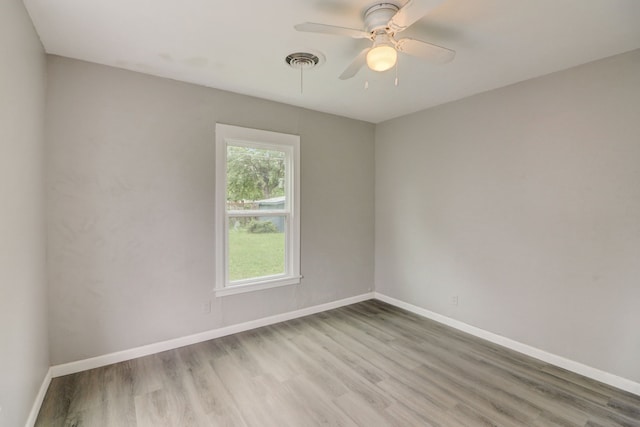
(255, 254)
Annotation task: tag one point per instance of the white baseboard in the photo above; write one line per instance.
(121, 356)
(554, 359)
(107, 359)
(37, 403)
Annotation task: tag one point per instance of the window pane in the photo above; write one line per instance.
(256, 247)
(257, 202)
(255, 178)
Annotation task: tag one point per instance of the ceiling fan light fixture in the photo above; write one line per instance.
(382, 23)
(382, 57)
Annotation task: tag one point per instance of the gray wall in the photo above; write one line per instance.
(130, 191)
(24, 357)
(524, 202)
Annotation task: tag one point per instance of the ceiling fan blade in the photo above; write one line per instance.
(425, 50)
(312, 27)
(411, 12)
(355, 65)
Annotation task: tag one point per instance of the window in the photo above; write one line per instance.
(257, 209)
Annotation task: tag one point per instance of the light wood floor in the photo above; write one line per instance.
(368, 364)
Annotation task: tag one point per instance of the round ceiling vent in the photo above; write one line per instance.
(302, 60)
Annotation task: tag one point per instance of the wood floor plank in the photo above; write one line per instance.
(361, 413)
(211, 395)
(303, 364)
(368, 364)
(145, 375)
(336, 368)
(317, 407)
(426, 406)
(403, 416)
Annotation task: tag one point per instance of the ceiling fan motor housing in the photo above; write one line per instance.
(377, 17)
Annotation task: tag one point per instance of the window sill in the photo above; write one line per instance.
(259, 286)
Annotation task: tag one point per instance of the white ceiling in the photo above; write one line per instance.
(240, 46)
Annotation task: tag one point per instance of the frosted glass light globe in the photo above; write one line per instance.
(381, 58)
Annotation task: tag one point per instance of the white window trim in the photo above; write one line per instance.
(268, 140)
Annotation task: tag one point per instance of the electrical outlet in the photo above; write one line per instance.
(206, 307)
(454, 300)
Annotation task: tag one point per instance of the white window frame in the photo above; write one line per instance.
(245, 137)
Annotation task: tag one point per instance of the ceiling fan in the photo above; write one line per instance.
(382, 22)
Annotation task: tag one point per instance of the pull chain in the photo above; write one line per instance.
(397, 73)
